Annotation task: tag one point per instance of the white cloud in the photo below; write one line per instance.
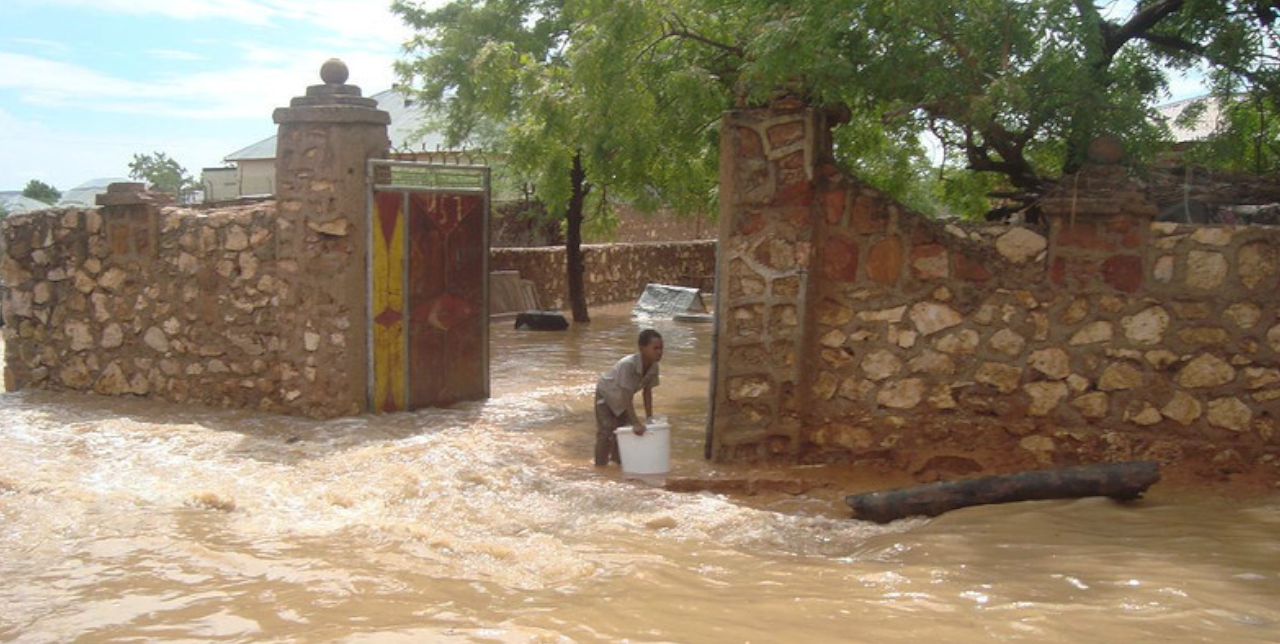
(174, 54)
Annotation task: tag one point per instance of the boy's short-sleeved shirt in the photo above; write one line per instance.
(621, 382)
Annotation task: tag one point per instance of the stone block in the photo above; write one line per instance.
(1147, 326)
(1094, 406)
(1092, 333)
(1182, 408)
(903, 394)
(930, 261)
(840, 260)
(884, 261)
(1163, 269)
(1230, 413)
(1052, 362)
(1045, 396)
(1243, 315)
(1206, 269)
(1205, 370)
(1119, 376)
(786, 134)
(880, 364)
(970, 269)
(1008, 342)
(1003, 377)
(930, 317)
(1256, 265)
(833, 202)
(1021, 245)
(962, 342)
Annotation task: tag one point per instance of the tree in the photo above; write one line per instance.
(41, 191)
(161, 173)
(1017, 88)
(557, 86)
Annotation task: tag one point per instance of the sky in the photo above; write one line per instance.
(86, 84)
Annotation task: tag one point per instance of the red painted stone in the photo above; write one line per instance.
(798, 215)
(884, 262)
(786, 134)
(840, 260)
(1133, 238)
(1081, 235)
(796, 193)
(929, 261)
(1058, 272)
(833, 205)
(970, 269)
(750, 223)
(749, 144)
(1123, 272)
(866, 216)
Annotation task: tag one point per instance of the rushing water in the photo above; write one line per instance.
(125, 520)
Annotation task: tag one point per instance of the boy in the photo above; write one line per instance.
(615, 395)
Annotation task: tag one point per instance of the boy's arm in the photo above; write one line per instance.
(630, 415)
(648, 403)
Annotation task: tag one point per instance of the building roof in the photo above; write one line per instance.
(1198, 130)
(405, 131)
(13, 202)
(83, 194)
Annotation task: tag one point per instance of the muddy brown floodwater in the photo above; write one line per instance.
(127, 520)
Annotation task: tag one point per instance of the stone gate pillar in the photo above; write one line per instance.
(324, 140)
(767, 193)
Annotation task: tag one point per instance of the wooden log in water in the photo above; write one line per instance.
(542, 321)
(1119, 481)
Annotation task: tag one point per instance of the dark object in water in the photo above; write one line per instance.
(694, 317)
(1119, 481)
(542, 321)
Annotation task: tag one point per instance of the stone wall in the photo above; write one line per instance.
(854, 330)
(614, 272)
(170, 303)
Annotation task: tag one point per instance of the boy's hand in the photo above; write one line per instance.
(639, 428)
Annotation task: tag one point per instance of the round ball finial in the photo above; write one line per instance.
(1105, 150)
(333, 72)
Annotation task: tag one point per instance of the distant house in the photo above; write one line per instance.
(12, 202)
(255, 165)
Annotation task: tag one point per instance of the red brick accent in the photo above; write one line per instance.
(970, 269)
(750, 223)
(884, 262)
(867, 217)
(749, 144)
(786, 134)
(833, 205)
(840, 260)
(1123, 272)
(1081, 234)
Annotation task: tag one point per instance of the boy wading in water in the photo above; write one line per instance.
(615, 395)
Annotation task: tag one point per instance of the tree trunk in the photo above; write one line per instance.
(1120, 481)
(573, 241)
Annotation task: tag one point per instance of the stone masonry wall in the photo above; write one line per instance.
(854, 330)
(170, 303)
(614, 272)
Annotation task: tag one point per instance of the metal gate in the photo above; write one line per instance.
(428, 284)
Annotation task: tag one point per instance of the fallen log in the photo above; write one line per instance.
(1119, 481)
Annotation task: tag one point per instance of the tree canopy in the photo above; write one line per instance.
(161, 172)
(1013, 91)
(41, 191)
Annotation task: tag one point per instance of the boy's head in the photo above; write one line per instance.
(650, 345)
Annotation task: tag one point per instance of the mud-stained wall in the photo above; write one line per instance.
(852, 329)
(614, 272)
(171, 303)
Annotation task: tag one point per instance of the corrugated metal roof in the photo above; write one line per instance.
(407, 121)
(14, 203)
(83, 194)
(1202, 128)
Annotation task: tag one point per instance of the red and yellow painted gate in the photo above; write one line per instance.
(428, 284)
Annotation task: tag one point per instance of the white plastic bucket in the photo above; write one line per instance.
(647, 454)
